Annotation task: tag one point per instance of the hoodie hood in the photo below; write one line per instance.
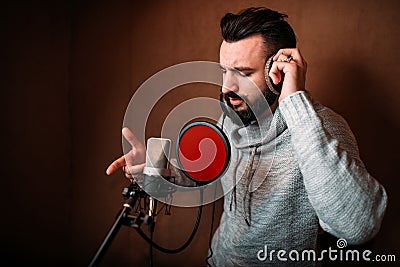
(257, 133)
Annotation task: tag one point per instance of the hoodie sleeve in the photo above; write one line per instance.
(348, 201)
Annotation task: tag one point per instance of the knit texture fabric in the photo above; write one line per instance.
(298, 170)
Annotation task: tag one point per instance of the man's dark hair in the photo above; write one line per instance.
(277, 33)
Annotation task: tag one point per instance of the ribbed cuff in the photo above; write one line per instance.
(297, 108)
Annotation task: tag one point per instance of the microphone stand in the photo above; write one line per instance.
(151, 224)
(131, 194)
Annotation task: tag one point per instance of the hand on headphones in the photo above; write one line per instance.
(292, 64)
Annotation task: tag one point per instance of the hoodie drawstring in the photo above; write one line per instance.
(248, 176)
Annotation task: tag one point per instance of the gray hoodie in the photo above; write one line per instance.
(299, 170)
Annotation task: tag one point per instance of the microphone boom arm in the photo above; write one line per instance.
(131, 194)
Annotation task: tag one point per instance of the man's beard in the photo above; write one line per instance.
(246, 115)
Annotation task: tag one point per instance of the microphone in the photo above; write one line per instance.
(157, 154)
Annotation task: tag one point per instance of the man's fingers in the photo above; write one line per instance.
(289, 55)
(294, 52)
(130, 137)
(276, 71)
(275, 75)
(136, 169)
(135, 158)
(117, 164)
(129, 169)
(137, 155)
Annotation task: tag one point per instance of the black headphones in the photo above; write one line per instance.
(275, 88)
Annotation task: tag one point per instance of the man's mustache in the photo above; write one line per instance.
(233, 95)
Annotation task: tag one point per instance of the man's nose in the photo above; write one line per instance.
(229, 83)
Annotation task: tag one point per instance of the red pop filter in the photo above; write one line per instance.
(203, 152)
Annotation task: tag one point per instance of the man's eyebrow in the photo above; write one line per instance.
(240, 68)
(243, 68)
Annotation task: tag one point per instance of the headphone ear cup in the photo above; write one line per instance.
(275, 88)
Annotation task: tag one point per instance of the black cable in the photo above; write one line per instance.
(151, 249)
(211, 235)
(212, 227)
(213, 212)
(188, 241)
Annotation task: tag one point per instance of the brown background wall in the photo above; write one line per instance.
(69, 69)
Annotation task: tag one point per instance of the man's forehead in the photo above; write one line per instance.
(245, 52)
